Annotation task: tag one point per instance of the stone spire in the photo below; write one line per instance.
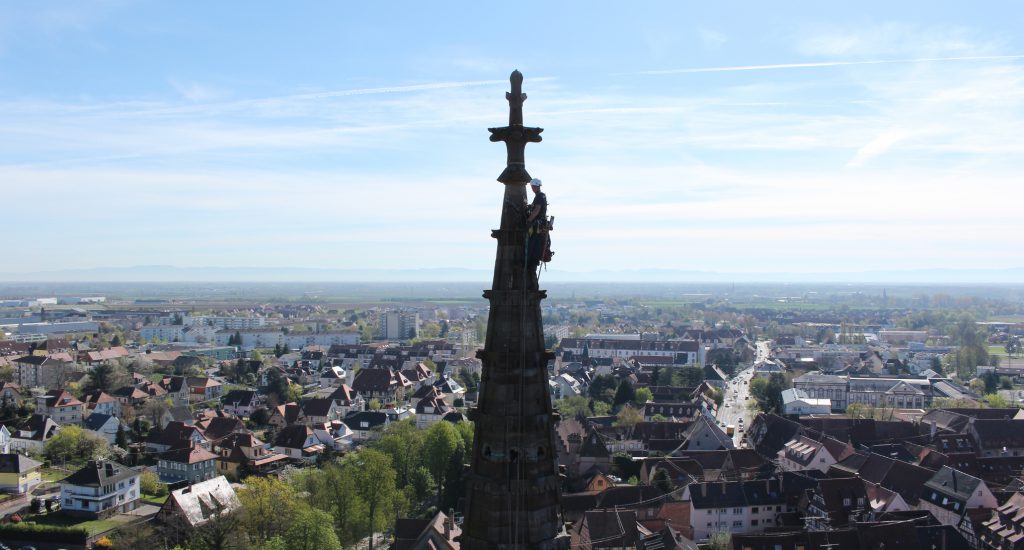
(512, 499)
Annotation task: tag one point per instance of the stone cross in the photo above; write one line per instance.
(515, 135)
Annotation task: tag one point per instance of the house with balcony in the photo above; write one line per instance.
(242, 454)
(100, 489)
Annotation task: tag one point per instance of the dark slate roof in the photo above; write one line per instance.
(728, 494)
(373, 418)
(293, 437)
(317, 407)
(593, 446)
(995, 434)
(951, 486)
(243, 398)
(616, 528)
(17, 464)
(95, 421)
(98, 473)
(895, 475)
(220, 426)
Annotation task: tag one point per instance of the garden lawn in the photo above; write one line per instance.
(94, 527)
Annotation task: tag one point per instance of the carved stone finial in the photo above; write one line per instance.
(515, 135)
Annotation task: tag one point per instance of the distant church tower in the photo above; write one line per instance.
(512, 499)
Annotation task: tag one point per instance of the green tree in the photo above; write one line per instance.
(107, 377)
(997, 401)
(403, 442)
(624, 394)
(310, 529)
(602, 388)
(574, 406)
(600, 408)
(255, 355)
(643, 395)
(72, 443)
(149, 483)
(628, 416)
(662, 481)
(441, 443)
(268, 507)
(6, 373)
(121, 439)
(375, 484)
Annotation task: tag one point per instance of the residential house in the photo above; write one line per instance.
(100, 489)
(997, 437)
(950, 493)
(103, 425)
(431, 409)
(736, 507)
(216, 428)
(286, 415)
(203, 388)
(318, 411)
(19, 474)
(34, 434)
(384, 384)
(366, 425)
(5, 439)
(347, 400)
(242, 402)
(334, 435)
(298, 442)
(101, 402)
(190, 463)
(1005, 529)
(10, 394)
(835, 502)
(177, 389)
(174, 435)
(437, 533)
(564, 386)
(197, 504)
(242, 454)
(705, 435)
(804, 453)
(60, 405)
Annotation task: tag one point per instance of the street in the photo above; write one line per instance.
(734, 410)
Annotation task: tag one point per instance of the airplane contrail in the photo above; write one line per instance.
(823, 64)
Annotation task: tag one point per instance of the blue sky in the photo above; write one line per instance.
(739, 137)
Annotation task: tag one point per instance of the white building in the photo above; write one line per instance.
(100, 489)
(796, 401)
(399, 325)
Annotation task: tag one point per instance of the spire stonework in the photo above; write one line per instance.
(512, 499)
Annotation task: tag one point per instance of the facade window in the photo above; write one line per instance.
(737, 511)
(737, 524)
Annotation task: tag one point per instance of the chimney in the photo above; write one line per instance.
(449, 522)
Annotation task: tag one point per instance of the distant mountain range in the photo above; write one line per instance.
(163, 273)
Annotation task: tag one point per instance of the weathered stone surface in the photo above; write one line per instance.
(512, 499)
